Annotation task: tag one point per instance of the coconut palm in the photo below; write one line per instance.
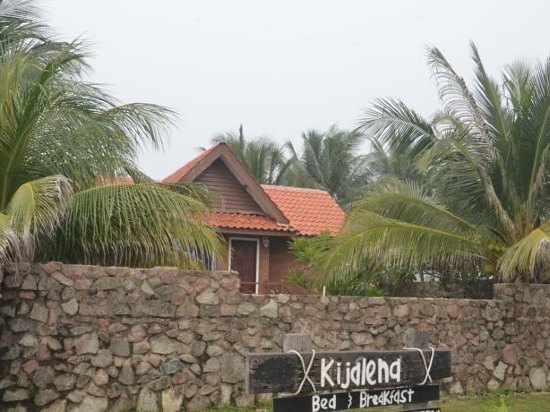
(484, 207)
(329, 160)
(61, 139)
(265, 160)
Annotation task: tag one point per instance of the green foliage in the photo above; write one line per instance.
(477, 202)
(309, 251)
(138, 224)
(329, 161)
(265, 160)
(60, 137)
(394, 281)
(356, 284)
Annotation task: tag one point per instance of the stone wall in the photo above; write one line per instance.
(93, 338)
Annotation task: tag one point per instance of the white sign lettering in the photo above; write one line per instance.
(385, 398)
(360, 373)
(323, 404)
(364, 399)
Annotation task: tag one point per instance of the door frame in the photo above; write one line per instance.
(248, 239)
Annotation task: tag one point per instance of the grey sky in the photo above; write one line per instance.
(282, 67)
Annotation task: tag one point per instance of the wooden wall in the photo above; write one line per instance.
(232, 197)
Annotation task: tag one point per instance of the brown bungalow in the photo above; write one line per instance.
(259, 220)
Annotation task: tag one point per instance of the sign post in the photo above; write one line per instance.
(416, 339)
(330, 381)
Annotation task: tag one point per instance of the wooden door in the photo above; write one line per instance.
(243, 260)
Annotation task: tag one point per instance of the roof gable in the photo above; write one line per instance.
(231, 197)
(221, 151)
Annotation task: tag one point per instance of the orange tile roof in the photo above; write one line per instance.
(310, 211)
(186, 168)
(247, 221)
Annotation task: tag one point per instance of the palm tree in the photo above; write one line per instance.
(329, 160)
(265, 160)
(484, 207)
(61, 139)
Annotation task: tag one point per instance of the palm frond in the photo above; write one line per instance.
(143, 124)
(396, 243)
(392, 122)
(145, 224)
(490, 101)
(455, 93)
(408, 202)
(539, 119)
(37, 208)
(19, 23)
(54, 122)
(459, 168)
(10, 250)
(27, 93)
(520, 261)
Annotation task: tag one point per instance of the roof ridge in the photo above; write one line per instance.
(183, 170)
(301, 189)
(221, 212)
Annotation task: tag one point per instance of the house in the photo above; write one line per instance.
(258, 221)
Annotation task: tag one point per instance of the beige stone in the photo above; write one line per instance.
(70, 307)
(537, 377)
(39, 312)
(232, 368)
(401, 311)
(207, 298)
(57, 406)
(269, 310)
(14, 395)
(147, 401)
(171, 402)
(499, 371)
(162, 345)
(226, 392)
(93, 404)
(87, 343)
(28, 340)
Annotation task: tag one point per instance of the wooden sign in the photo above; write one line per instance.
(342, 371)
(358, 399)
